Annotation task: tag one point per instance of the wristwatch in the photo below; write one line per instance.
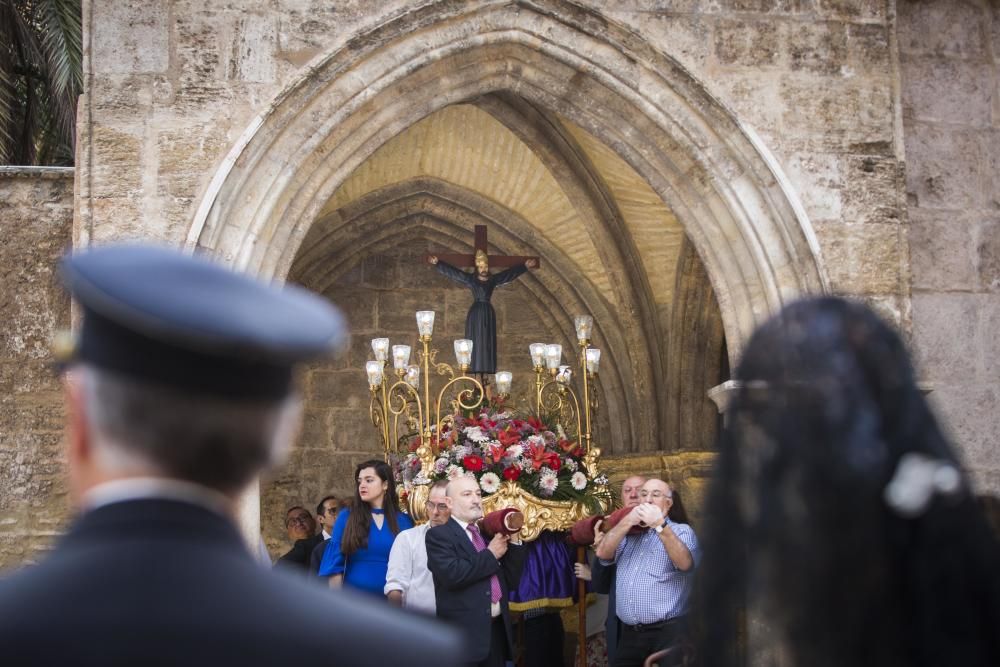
(659, 529)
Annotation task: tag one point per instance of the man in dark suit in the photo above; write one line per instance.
(179, 393)
(301, 529)
(472, 579)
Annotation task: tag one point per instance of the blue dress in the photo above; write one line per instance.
(364, 569)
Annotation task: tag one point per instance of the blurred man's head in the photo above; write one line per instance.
(299, 523)
(465, 498)
(182, 369)
(630, 490)
(326, 513)
(438, 510)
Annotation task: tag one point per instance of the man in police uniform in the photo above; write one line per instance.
(179, 393)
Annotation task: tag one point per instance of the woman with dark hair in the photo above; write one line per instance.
(840, 521)
(357, 553)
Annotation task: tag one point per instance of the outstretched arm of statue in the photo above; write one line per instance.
(454, 273)
(510, 275)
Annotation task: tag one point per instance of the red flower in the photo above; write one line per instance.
(494, 452)
(414, 444)
(536, 424)
(566, 445)
(508, 437)
(472, 463)
(543, 457)
(512, 473)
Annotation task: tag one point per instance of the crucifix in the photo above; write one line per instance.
(481, 321)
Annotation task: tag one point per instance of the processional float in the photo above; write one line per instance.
(541, 461)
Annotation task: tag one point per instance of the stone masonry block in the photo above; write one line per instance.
(944, 167)
(946, 90)
(817, 47)
(853, 9)
(967, 412)
(942, 250)
(874, 189)
(187, 158)
(133, 37)
(990, 338)
(988, 256)
(954, 29)
(819, 182)
(118, 159)
(748, 43)
(946, 337)
(839, 113)
(863, 259)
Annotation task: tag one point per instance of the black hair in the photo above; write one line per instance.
(360, 517)
(319, 507)
(800, 532)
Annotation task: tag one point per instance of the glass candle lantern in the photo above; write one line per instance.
(593, 360)
(374, 370)
(503, 380)
(463, 351)
(553, 356)
(584, 327)
(425, 322)
(380, 346)
(537, 351)
(400, 357)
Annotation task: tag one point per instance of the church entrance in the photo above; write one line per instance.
(651, 207)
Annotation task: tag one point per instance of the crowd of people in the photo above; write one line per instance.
(840, 526)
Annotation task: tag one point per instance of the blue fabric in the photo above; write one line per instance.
(648, 586)
(365, 569)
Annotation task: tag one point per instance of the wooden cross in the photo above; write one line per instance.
(501, 261)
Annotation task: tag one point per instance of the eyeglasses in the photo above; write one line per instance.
(303, 519)
(440, 507)
(654, 494)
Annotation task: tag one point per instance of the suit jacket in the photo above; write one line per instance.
(299, 557)
(316, 557)
(160, 582)
(462, 585)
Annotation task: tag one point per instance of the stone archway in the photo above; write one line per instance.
(728, 193)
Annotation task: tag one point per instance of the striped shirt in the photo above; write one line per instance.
(648, 587)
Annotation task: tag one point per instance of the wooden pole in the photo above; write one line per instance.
(581, 591)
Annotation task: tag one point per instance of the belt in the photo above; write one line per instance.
(649, 627)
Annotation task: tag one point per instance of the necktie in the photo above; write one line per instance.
(477, 541)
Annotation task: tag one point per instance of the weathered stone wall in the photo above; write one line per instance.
(950, 58)
(36, 218)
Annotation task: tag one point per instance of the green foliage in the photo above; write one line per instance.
(41, 77)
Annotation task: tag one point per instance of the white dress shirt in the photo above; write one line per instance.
(408, 570)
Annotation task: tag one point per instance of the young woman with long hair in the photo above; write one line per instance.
(357, 553)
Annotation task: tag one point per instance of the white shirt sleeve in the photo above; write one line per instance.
(400, 572)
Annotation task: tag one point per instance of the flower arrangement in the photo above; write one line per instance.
(495, 444)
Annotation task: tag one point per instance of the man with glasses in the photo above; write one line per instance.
(603, 576)
(302, 531)
(326, 514)
(655, 574)
(408, 582)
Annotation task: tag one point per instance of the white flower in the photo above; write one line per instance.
(454, 471)
(569, 463)
(475, 434)
(579, 481)
(441, 465)
(515, 451)
(561, 432)
(459, 452)
(536, 440)
(489, 482)
(420, 479)
(547, 484)
(601, 480)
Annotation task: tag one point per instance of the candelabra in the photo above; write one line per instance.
(401, 408)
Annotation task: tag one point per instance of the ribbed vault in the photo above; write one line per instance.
(430, 213)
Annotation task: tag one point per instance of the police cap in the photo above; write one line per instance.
(165, 317)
